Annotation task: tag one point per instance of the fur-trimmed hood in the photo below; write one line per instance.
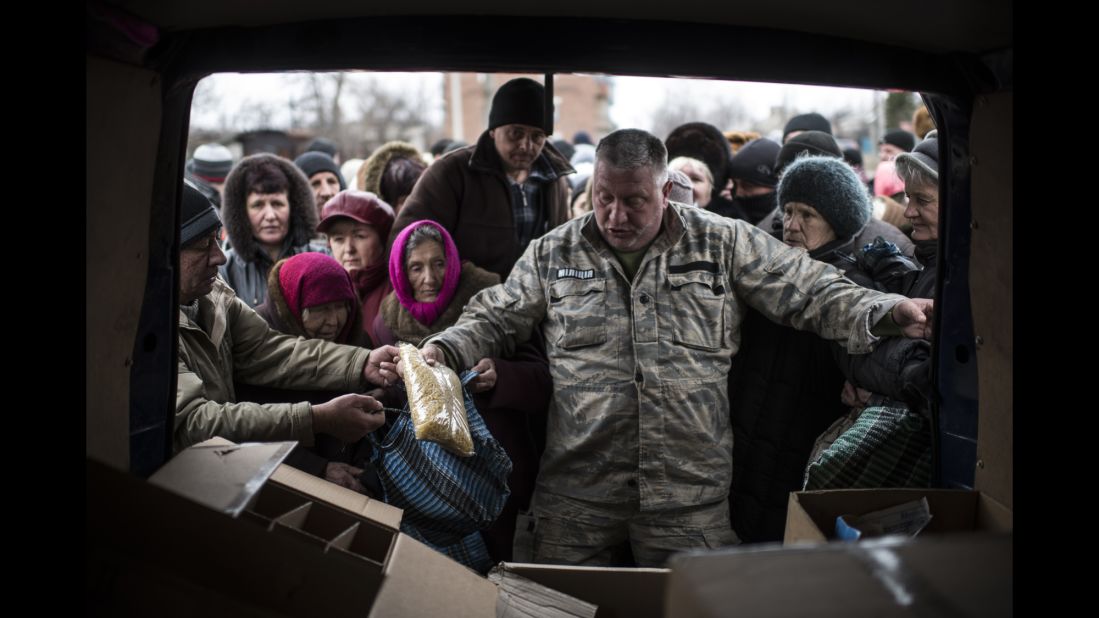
(234, 210)
(370, 172)
(276, 310)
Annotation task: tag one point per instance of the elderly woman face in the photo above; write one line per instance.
(802, 226)
(703, 187)
(355, 245)
(426, 270)
(922, 210)
(325, 321)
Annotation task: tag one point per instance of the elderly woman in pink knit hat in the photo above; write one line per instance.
(312, 296)
(431, 286)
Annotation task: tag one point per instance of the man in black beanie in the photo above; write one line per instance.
(754, 176)
(324, 177)
(895, 142)
(497, 195)
(806, 122)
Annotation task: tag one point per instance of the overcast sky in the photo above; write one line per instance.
(634, 98)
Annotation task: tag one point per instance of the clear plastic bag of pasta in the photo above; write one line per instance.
(435, 403)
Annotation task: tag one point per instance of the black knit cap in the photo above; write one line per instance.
(901, 139)
(755, 162)
(198, 218)
(807, 122)
(519, 101)
(853, 156)
(315, 161)
(706, 143)
(809, 143)
(832, 188)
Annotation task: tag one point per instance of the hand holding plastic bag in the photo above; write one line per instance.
(435, 403)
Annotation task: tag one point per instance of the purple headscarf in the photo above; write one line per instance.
(425, 313)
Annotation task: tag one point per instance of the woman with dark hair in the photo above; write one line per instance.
(431, 286)
(391, 172)
(269, 215)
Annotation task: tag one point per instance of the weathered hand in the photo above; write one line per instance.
(348, 417)
(381, 365)
(913, 316)
(486, 367)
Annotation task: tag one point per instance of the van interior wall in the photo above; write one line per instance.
(123, 131)
(991, 277)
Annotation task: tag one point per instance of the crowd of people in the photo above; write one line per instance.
(669, 335)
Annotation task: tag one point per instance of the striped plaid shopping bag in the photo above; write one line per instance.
(445, 497)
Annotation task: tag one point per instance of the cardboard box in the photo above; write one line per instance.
(299, 546)
(811, 517)
(617, 592)
(945, 575)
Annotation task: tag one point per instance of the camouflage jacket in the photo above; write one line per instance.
(640, 410)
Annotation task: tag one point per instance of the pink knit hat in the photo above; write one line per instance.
(311, 279)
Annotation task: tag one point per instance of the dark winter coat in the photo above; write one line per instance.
(784, 391)
(468, 193)
(247, 263)
(899, 369)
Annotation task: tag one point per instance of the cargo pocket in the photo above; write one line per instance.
(698, 319)
(579, 311)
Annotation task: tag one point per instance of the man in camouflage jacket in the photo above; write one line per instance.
(640, 304)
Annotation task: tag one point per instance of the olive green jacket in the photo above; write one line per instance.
(229, 340)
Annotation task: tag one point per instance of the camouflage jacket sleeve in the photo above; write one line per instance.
(791, 288)
(497, 319)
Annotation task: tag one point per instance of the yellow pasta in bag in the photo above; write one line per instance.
(435, 401)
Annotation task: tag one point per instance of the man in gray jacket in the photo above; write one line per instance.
(640, 304)
(221, 338)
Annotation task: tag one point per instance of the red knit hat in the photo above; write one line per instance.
(311, 279)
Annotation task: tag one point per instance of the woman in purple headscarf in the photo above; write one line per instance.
(431, 286)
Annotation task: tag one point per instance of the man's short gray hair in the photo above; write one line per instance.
(628, 149)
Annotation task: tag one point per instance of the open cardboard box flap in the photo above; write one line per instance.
(811, 516)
